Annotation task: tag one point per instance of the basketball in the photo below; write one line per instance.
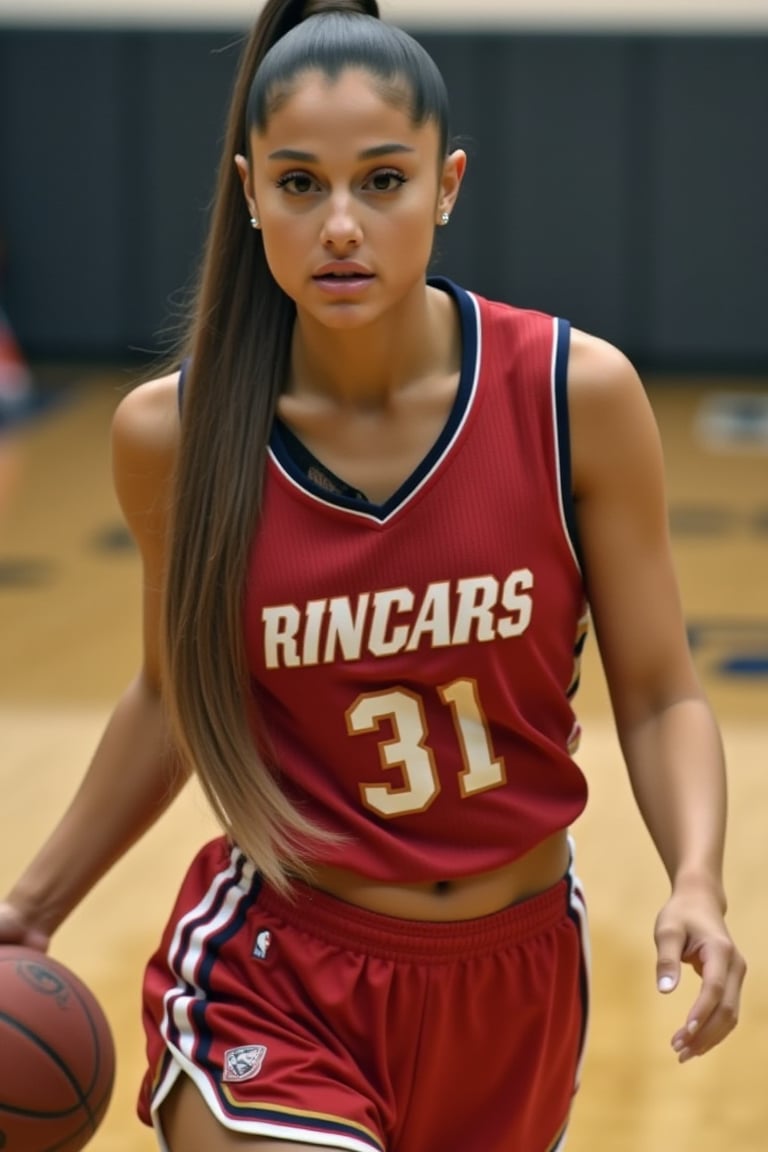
(57, 1057)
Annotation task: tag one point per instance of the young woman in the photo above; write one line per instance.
(372, 509)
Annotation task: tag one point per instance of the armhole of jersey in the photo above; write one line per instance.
(560, 351)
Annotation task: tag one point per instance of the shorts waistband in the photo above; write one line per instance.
(352, 928)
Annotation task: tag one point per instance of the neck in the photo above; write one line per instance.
(366, 367)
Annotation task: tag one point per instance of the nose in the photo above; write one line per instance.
(341, 226)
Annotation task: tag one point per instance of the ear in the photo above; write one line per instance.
(244, 172)
(454, 167)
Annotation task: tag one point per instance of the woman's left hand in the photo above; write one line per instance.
(690, 929)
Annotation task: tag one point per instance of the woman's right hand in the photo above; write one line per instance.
(15, 929)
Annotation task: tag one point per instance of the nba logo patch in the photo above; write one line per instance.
(263, 941)
(243, 1063)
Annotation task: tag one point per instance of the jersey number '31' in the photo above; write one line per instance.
(409, 751)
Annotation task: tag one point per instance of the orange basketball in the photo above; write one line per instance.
(57, 1056)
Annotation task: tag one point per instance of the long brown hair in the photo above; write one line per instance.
(238, 355)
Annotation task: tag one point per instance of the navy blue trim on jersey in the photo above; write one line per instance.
(469, 350)
(562, 349)
(578, 652)
(309, 464)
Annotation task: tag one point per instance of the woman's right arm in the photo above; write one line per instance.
(134, 774)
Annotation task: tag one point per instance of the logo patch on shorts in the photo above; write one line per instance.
(243, 1063)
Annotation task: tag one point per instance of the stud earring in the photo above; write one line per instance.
(445, 219)
(255, 223)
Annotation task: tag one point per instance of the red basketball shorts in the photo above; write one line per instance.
(316, 1022)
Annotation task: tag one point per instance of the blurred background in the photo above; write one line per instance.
(618, 176)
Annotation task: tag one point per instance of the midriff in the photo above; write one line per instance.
(462, 898)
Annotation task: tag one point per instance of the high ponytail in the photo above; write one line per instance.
(295, 11)
(238, 352)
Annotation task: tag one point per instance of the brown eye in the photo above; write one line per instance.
(296, 183)
(386, 180)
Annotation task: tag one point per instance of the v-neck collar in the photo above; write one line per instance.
(469, 321)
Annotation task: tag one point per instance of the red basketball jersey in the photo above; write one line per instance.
(415, 661)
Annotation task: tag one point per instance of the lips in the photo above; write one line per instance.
(341, 270)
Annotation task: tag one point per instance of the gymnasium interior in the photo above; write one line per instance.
(618, 176)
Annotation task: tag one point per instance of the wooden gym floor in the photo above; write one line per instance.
(69, 640)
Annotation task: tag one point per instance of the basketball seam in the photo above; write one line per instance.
(51, 1052)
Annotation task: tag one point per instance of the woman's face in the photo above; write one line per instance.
(348, 192)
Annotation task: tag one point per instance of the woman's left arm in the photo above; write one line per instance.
(668, 735)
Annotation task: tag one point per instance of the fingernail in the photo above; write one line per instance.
(684, 1054)
(666, 983)
(692, 1027)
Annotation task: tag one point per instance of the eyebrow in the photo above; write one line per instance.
(366, 154)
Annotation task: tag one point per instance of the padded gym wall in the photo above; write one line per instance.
(617, 178)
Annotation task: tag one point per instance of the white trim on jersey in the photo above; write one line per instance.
(360, 513)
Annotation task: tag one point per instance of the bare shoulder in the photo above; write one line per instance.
(610, 415)
(146, 419)
(145, 437)
(598, 371)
